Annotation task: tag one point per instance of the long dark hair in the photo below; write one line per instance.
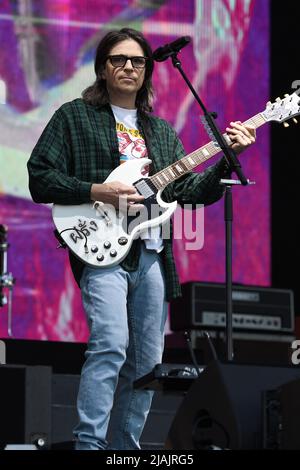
(97, 94)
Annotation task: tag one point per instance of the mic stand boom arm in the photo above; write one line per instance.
(229, 153)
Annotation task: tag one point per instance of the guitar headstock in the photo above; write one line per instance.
(283, 109)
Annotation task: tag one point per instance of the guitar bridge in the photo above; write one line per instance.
(99, 207)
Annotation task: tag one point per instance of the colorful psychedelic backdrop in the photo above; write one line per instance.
(47, 59)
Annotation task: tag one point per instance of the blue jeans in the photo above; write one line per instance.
(126, 312)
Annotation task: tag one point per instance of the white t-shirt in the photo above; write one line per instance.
(132, 145)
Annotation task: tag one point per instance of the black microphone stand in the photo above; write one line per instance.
(7, 280)
(234, 165)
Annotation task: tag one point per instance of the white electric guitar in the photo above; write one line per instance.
(101, 236)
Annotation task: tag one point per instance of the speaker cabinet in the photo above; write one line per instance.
(282, 417)
(224, 407)
(63, 407)
(25, 399)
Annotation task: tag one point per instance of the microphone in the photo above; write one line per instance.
(164, 52)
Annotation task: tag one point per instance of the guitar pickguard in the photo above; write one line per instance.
(101, 236)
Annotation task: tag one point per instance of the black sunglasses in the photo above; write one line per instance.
(138, 62)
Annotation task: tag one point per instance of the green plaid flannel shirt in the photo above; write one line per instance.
(79, 147)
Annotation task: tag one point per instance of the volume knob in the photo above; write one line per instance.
(94, 249)
(107, 244)
(122, 240)
(100, 258)
(113, 253)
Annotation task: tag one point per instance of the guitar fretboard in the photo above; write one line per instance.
(191, 161)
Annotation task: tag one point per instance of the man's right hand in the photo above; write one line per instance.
(117, 194)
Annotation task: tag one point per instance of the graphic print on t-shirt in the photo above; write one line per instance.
(131, 145)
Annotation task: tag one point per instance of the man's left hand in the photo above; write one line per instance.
(242, 136)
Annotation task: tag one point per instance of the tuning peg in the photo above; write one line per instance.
(295, 120)
(269, 103)
(286, 124)
(286, 95)
(278, 99)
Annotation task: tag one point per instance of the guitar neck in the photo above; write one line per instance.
(194, 159)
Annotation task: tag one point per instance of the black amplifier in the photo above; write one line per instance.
(260, 309)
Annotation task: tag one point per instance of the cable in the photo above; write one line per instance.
(188, 340)
(79, 232)
(211, 346)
